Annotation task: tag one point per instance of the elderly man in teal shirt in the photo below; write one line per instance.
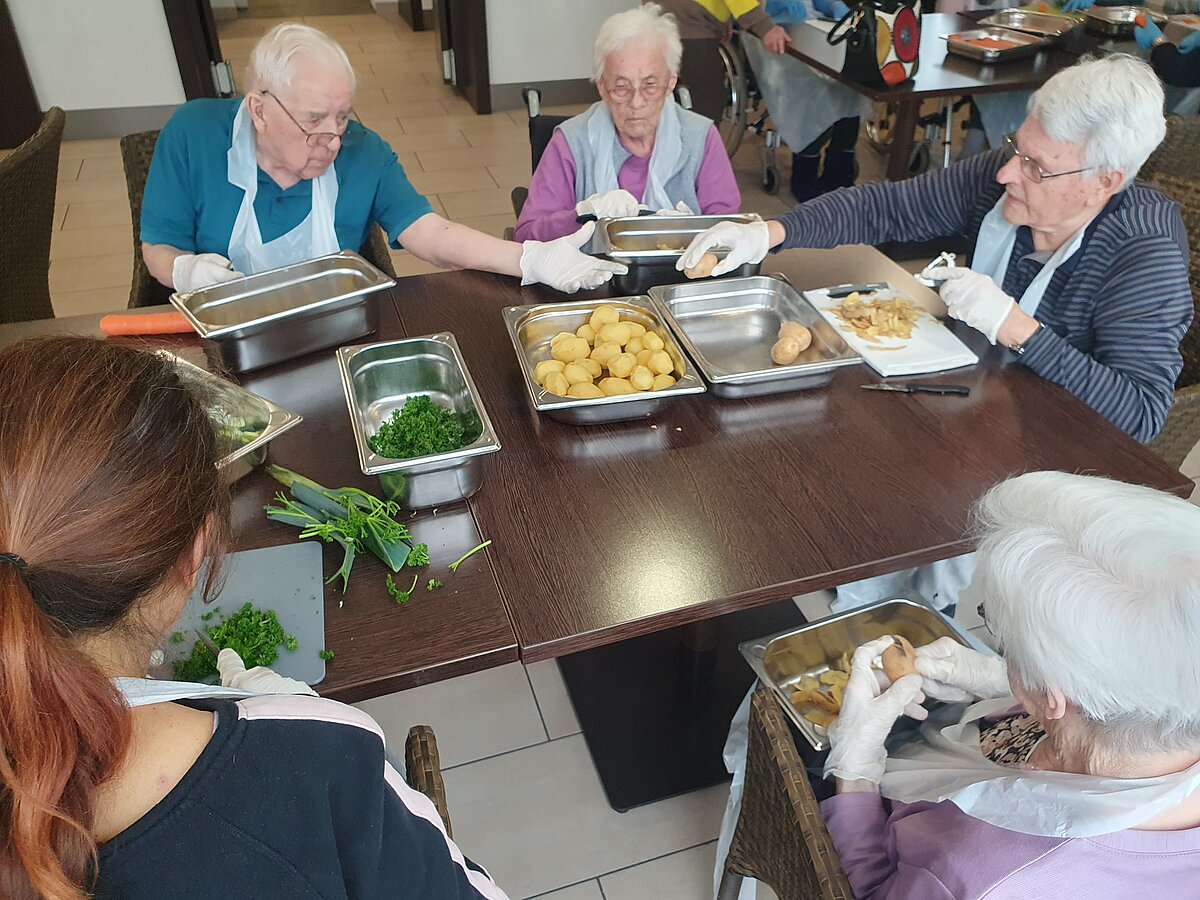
(241, 186)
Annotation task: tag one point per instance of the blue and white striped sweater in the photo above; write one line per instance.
(1114, 314)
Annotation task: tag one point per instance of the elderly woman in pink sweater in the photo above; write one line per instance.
(1074, 772)
(636, 149)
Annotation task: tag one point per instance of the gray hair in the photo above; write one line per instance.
(272, 61)
(1093, 588)
(1111, 107)
(645, 23)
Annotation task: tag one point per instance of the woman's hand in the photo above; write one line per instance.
(610, 205)
(856, 751)
(1147, 34)
(260, 679)
(777, 39)
(955, 673)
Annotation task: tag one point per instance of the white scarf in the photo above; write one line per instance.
(664, 158)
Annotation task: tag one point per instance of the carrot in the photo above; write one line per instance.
(145, 323)
(1139, 21)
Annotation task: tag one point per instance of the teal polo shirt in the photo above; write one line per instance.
(189, 203)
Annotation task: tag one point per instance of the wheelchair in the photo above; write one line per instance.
(746, 113)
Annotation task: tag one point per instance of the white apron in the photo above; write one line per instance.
(313, 237)
(145, 691)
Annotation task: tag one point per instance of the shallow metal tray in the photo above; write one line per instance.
(1118, 21)
(781, 660)
(1023, 44)
(1047, 25)
(636, 241)
(380, 378)
(273, 316)
(729, 325)
(245, 422)
(531, 327)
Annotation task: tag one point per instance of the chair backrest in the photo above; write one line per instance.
(1176, 155)
(28, 184)
(136, 152)
(1186, 192)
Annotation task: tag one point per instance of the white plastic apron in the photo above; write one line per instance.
(664, 158)
(144, 691)
(313, 237)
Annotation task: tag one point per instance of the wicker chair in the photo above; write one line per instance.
(1176, 155)
(780, 838)
(28, 182)
(423, 769)
(136, 152)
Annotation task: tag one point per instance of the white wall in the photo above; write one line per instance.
(84, 54)
(533, 40)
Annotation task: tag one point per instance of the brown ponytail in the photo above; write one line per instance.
(107, 475)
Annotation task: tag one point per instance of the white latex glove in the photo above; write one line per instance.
(260, 679)
(955, 673)
(856, 739)
(747, 243)
(192, 271)
(610, 205)
(681, 209)
(974, 298)
(561, 265)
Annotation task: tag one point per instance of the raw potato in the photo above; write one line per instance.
(570, 349)
(662, 382)
(636, 329)
(797, 332)
(559, 338)
(604, 315)
(660, 363)
(604, 353)
(634, 346)
(642, 378)
(643, 357)
(556, 383)
(587, 332)
(785, 351)
(545, 367)
(585, 390)
(703, 268)
(594, 368)
(652, 341)
(576, 372)
(899, 660)
(618, 333)
(620, 366)
(613, 387)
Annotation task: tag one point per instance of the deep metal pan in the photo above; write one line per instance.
(1015, 44)
(729, 325)
(651, 245)
(1047, 25)
(1119, 21)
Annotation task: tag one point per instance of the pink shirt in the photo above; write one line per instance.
(934, 851)
(550, 210)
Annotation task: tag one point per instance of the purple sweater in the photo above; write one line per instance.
(550, 210)
(934, 851)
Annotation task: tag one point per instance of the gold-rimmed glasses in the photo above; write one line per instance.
(1030, 167)
(317, 138)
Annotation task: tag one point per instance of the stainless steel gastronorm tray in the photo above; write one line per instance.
(1118, 21)
(1045, 25)
(531, 327)
(651, 245)
(273, 316)
(729, 325)
(380, 378)
(781, 660)
(1022, 44)
(245, 422)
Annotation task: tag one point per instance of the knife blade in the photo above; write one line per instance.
(839, 291)
(960, 390)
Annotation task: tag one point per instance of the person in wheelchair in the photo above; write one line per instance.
(636, 149)
(1067, 768)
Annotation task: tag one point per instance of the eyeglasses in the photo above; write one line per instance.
(623, 91)
(317, 138)
(1030, 167)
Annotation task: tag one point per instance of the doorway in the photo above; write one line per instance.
(294, 9)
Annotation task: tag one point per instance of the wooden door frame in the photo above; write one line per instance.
(194, 36)
(22, 112)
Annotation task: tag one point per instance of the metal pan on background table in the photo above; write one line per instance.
(994, 45)
(1119, 21)
(1047, 25)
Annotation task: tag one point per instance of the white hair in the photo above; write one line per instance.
(1093, 588)
(643, 24)
(1111, 107)
(272, 61)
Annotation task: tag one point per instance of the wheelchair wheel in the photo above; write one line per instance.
(732, 126)
(770, 180)
(918, 163)
(879, 127)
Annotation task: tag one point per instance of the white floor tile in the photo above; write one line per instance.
(815, 605)
(552, 698)
(474, 716)
(589, 890)
(538, 820)
(685, 874)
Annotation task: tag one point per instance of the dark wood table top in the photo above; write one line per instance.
(606, 532)
(379, 647)
(940, 74)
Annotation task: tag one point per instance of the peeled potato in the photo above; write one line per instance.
(560, 337)
(634, 345)
(604, 315)
(584, 390)
(556, 383)
(545, 367)
(641, 378)
(570, 349)
(605, 352)
(576, 372)
(785, 351)
(613, 387)
(643, 357)
(587, 332)
(636, 329)
(703, 267)
(620, 366)
(652, 341)
(618, 333)
(594, 368)
(797, 332)
(660, 363)
(662, 382)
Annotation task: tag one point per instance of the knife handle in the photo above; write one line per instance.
(960, 389)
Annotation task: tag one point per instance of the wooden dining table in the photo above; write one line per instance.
(638, 553)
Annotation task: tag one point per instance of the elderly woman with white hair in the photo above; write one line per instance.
(285, 174)
(636, 148)
(1074, 770)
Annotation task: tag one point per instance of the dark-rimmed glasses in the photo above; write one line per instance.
(1030, 167)
(316, 138)
(623, 91)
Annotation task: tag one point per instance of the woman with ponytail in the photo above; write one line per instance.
(110, 501)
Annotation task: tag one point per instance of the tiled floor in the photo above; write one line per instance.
(524, 797)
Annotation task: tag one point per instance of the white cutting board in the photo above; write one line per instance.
(932, 347)
(286, 579)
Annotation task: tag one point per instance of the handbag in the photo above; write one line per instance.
(883, 42)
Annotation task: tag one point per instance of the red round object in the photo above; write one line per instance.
(906, 35)
(894, 73)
